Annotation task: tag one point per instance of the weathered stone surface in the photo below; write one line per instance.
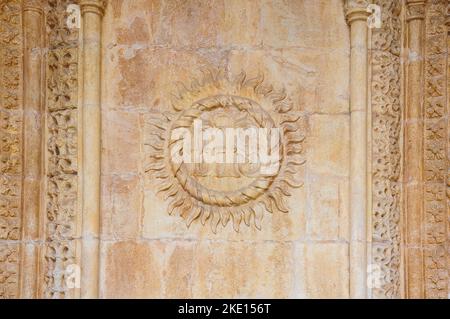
(121, 145)
(187, 269)
(357, 208)
(121, 212)
(144, 57)
(329, 145)
(327, 270)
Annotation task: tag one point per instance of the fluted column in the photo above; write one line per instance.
(356, 15)
(413, 153)
(33, 18)
(92, 13)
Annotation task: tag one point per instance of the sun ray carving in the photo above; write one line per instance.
(237, 198)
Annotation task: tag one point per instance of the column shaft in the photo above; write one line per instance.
(413, 165)
(92, 15)
(32, 148)
(357, 19)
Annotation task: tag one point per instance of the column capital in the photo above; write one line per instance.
(415, 10)
(356, 10)
(94, 6)
(33, 5)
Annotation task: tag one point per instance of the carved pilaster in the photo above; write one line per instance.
(435, 152)
(10, 145)
(386, 158)
(447, 23)
(92, 13)
(61, 217)
(356, 15)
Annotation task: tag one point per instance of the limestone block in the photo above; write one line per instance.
(121, 143)
(131, 270)
(157, 223)
(328, 210)
(205, 269)
(243, 270)
(121, 209)
(329, 145)
(315, 79)
(327, 270)
(299, 24)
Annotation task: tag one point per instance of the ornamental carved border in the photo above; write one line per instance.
(62, 143)
(435, 152)
(386, 149)
(447, 22)
(11, 144)
(269, 108)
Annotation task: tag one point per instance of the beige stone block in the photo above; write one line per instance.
(243, 270)
(157, 223)
(131, 270)
(315, 81)
(121, 143)
(178, 269)
(129, 73)
(121, 207)
(318, 24)
(192, 24)
(242, 23)
(145, 78)
(175, 24)
(129, 22)
(327, 270)
(328, 214)
(207, 269)
(200, 24)
(328, 145)
(300, 268)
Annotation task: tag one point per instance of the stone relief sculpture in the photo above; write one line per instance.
(400, 75)
(11, 146)
(386, 150)
(62, 149)
(234, 196)
(435, 152)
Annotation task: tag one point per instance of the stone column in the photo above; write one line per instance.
(413, 153)
(92, 12)
(356, 15)
(33, 18)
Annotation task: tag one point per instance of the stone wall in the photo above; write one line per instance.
(93, 205)
(154, 50)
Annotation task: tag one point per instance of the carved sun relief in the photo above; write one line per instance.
(225, 191)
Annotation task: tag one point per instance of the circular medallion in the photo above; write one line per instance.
(241, 122)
